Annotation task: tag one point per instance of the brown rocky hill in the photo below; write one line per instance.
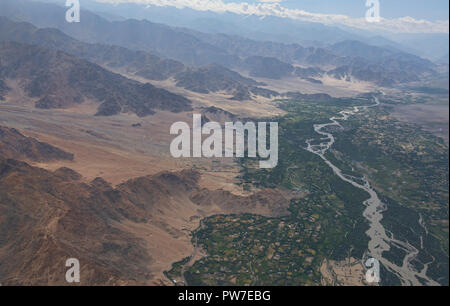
(15, 145)
(47, 217)
(59, 80)
(215, 78)
(216, 114)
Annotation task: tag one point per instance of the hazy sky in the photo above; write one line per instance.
(401, 16)
(420, 9)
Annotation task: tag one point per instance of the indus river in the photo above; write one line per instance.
(379, 240)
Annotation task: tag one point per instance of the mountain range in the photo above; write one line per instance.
(58, 80)
(195, 48)
(210, 78)
(272, 28)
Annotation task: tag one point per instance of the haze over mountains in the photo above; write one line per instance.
(350, 60)
(271, 28)
(210, 78)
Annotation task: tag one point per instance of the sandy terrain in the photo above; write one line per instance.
(433, 118)
(350, 272)
(333, 87)
(110, 147)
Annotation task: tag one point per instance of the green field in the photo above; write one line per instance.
(407, 166)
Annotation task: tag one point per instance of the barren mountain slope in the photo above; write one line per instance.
(124, 235)
(13, 144)
(59, 80)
